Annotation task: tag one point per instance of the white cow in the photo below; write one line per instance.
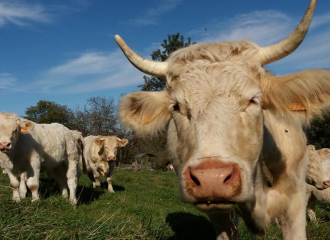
(28, 148)
(224, 114)
(318, 175)
(100, 155)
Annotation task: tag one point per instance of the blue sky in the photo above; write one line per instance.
(64, 51)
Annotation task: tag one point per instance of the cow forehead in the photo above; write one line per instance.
(110, 141)
(8, 121)
(204, 81)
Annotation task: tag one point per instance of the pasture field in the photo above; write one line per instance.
(145, 206)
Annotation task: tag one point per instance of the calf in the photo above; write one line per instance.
(100, 155)
(28, 148)
(318, 173)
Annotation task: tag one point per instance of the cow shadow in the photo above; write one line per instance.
(87, 195)
(189, 226)
(116, 188)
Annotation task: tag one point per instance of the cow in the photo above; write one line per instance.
(224, 113)
(28, 148)
(3, 170)
(100, 155)
(318, 175)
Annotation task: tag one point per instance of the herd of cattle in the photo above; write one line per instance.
(227, 118)
(28, 149)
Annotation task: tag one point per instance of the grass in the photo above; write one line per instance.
(145, 206)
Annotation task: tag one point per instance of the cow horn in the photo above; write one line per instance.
(157, 69)
(282, 49)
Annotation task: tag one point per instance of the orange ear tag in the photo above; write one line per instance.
(297, 107)
(25, 129)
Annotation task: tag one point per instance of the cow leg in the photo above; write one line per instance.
(14, 184)
(109, 176)
(22, 185)
(293, 220)
(311, 208)
(33, 181)
(225, 225)
(72, 176)
(96, 176)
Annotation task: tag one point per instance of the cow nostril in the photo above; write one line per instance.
(8, 145)
(194, 179)
(227, 178)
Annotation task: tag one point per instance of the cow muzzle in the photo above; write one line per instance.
(111, 158)
(213, 181)
(4, 146)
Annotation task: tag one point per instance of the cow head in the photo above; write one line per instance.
(316, 171)
(108, 146)
(11, 125)
(214, 99)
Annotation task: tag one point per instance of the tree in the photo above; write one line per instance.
(319, 132)
(169, 45)
(49, 112)
(98, 117)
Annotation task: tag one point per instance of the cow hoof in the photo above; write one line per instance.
(16, 200)
(74, 203)
(35, 200)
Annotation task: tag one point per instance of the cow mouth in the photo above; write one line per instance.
(4, 150)
(215, 206)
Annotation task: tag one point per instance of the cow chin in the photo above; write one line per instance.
(213, 207)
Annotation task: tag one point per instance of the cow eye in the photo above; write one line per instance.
(252, 102)
(176, 108)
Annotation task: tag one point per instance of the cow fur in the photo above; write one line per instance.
(318, 172)
(222, 102)
(37, 148)
(100, 155)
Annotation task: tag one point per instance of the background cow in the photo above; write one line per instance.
(225, 112)
(318, 175)
(100, 155)
(28, 148)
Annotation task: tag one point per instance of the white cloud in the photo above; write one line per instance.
(150, 17)
(269, 27)
(6, 80)
(21, 14)
(91, 71)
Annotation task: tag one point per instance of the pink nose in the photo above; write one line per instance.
(326, 184)
(4, 145)
(213, 180)
(111, 158)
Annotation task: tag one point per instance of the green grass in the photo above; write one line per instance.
(145, 206)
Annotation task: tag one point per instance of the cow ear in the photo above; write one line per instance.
(306, 93)
(26, 126)
(323, 152)
(122, 142)
(145, 112)
(99, 141)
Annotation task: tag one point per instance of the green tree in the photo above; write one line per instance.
(319, 132)
(49, 112)
(169, 45)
